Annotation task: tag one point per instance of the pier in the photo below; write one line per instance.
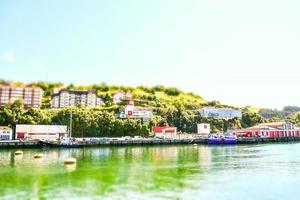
(19, 144)
(245, 140)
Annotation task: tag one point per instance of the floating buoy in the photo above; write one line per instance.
(37, 156)
(70, 168)
(195, 144)
(18, 153)
(70, 161)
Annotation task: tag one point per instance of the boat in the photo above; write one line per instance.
(63, 142)
(66, 142)
(216, 139)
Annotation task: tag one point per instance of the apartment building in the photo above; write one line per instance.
(68, 98)
(31, 96)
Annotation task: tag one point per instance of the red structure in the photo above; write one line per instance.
(165, 132)
(274, 129)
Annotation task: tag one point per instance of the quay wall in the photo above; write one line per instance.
(246, 140)
(19, 144)
(258, 140)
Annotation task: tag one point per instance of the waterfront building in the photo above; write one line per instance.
(31, 96)
(40, 132)
(165, 132)
(122, 96)
(5, 133)
(273, 129)
(69, 98)
(220, 113)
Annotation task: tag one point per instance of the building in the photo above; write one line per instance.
(274, 129)
(220, 113)
(122, 96)
(5, 133)
(69, 98)
(165, 132)
(40, 132)
(132, 112)
(31, 96)
(203, 129)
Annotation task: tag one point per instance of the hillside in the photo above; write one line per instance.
(171, 107)
(157, 96)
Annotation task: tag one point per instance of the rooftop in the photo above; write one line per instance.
(5, 128)
(73, 91)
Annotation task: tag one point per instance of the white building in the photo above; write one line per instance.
(40, 132)
(131, 112)
(121, 96)
(220, 113)
(68, 98)
(5, 133)
(203, 129)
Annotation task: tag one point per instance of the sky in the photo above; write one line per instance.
(235, 51)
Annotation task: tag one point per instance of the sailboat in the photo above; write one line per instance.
(67, 142)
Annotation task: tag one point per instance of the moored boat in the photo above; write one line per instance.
(215, 139)
(66, 142)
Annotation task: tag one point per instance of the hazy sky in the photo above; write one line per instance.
(236, 51)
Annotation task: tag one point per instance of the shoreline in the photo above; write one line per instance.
(144, 142)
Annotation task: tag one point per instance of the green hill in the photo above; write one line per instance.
(171, 107)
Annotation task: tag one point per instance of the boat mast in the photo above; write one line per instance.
(70, 129)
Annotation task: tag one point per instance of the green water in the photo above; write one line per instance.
(154, 172)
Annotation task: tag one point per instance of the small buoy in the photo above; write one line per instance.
(37, 156)
(17, 153)
(70, 161)
(195, 144)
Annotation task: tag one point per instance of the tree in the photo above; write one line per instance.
(250, 119)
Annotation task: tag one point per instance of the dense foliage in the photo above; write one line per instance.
(104, 122)
(274, 113)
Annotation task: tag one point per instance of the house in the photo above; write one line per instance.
(31, 96)
(165, 132)
(122, 96)
(40, 132)
(273, 129)
(70, 98)
(220, 113)
(6, 133)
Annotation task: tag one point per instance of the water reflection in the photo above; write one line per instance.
(155, 171)
(70, 168)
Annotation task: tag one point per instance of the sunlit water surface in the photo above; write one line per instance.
(154, 172)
